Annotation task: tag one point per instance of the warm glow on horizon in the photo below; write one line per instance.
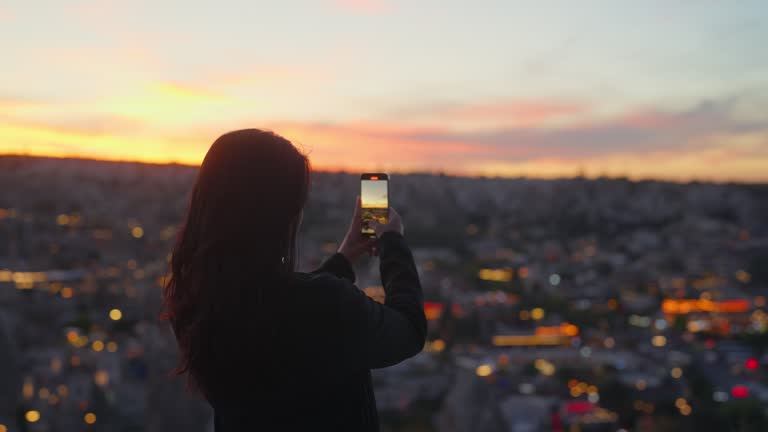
(671, 169)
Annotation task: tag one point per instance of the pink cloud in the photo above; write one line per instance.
(517, 113)
(637, 141)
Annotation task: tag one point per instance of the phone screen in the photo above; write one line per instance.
(374, 197)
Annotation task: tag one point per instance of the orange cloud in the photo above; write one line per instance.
(11, 104)
(397, 148)
(96, 126)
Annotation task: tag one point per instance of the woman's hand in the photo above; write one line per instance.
(355, 244)
(394, 223)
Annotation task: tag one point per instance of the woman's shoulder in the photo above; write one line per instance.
(319, 280)
(324, 284)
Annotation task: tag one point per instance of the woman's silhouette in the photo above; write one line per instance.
(272, 349)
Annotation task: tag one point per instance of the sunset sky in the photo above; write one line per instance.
(662, 89)
(374, 193)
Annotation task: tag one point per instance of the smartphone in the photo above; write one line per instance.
(374, 201)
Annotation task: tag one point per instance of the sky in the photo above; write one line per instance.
(374, 193)
(668, 89)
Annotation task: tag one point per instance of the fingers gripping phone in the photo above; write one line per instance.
(374, 201)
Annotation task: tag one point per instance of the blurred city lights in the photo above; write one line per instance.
(137, 232)
(432, 310)
(529, 340)
(526, 388)
(80, 342)
(56, 365)
(32, 416)
(739, 391)
(639, 321)
(28, 389)
(751, 364)
(659, 340)
(101, 378)
(484, 370)
(115, 314)
(743, 277)
(496, 275)
(603, 296)
(90, 418)
(523, 272)
(545, 367)
(609, 342)
(683, 307)
(502, 361)
(72, 336)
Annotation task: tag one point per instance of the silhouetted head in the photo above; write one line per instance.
(238, 239)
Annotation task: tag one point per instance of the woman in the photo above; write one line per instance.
(272, 349)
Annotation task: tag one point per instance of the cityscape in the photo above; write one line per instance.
(572, 304)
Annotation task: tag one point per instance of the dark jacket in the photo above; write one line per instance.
(324, 335)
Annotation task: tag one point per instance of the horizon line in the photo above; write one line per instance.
(342, 170)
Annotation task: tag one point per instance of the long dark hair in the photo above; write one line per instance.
(238, 239)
